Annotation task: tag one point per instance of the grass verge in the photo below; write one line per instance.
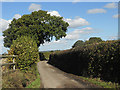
(36, 83)
(20, 79)
(101, 83)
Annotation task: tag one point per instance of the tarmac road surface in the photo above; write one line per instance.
(52, 77)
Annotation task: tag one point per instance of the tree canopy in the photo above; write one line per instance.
(93, 40)
(39, 25)
(90, 41)
(78, 43)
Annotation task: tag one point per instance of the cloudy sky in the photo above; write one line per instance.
(86, 19)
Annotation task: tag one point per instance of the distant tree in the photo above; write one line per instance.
(78, 43)
(39, 25)
(93, 40)
(42, 57)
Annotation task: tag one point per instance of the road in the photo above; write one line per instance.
(52, 77)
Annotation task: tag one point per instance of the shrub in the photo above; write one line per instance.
(26, 49)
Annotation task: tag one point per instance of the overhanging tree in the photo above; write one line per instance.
(39, 25)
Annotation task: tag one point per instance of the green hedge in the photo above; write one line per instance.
(26, 49)
(93, 60)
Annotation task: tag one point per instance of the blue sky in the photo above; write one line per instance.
(86, 19)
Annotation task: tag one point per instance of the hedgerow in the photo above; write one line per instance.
(26, 49)
(92, 60)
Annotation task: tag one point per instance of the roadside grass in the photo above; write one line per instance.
(36, 83)
(102, 83)
(17, 79)
(20, 79)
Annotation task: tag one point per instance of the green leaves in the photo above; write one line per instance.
(39, 25)
(97, 60)
(78, 43)
(26, 49)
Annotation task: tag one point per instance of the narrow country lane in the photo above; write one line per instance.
(52, 77)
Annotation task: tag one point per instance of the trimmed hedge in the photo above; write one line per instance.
(26, 49)
(92, 60)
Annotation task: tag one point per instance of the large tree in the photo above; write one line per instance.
(39, 25)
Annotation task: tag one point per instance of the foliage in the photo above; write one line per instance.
(78, 43)
(26, 49)
(39, 24)
(45, 55)
(42, 57)
(93, 60)
(93, 40)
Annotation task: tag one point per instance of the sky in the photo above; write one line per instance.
(86, 19)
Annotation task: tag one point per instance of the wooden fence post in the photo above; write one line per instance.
(13, 62)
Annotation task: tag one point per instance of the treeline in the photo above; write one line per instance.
(90, 41)
(91, 60)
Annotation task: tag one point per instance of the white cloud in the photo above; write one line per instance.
(83, 30)
(77, 22)
(94, 11)
(111, 5)
(6, 0)
(73, 23)
(59, 41)
(78, 32)
(1, 44)
(60, 0)
(54, 13)
(4, 24)
(116, 16)
(17, 16)
(75, 1)
(34, 7)
(72, 37)
(112, 37)
(1, 41)
(1, 38)
(56, 42)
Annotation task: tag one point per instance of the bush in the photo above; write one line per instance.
(96, 60)
(26, 49)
